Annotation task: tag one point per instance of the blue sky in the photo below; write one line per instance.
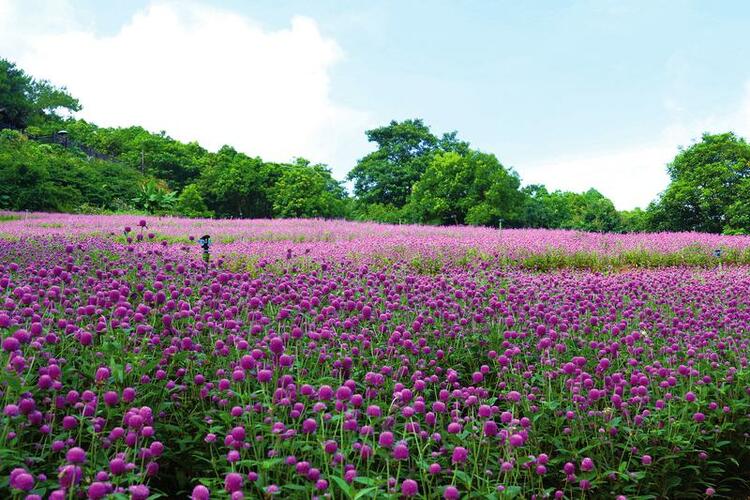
(572, 94)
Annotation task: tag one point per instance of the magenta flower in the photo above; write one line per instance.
(75, 455)
(21, 480)
(401, 452)
(233, 482)
(309, 426)
(409, 488)
(460, 454)
(451, 493)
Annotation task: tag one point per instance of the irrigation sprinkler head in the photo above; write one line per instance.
(205, 242)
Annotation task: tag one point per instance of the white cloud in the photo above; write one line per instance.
(633, 176)
(630, 177)
(199, 73)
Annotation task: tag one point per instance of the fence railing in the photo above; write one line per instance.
(64, 140)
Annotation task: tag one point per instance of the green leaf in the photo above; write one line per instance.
(366, 492)
(343, 485)
(512, 491)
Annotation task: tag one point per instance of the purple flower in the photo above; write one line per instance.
(401, 452)
(409, 488)
(460, 455)
(309, 426)
(97, 490)
(200, 492)
(76, 455)
(21, 480)
(385, 440)
(233, 482)
(451, 493)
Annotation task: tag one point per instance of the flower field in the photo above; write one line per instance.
(351, 360)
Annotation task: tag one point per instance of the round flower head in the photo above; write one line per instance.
(200, 492)
(97, 490)
(400, 452)
(459, 455)
(21, 480)
(139, 492)
(233, 482)
(386, 439)
(451, 493)
(409, 488)
(76, 455)
(309, 426)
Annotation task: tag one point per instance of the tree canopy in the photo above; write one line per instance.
(471, 188)
(24, 100)
(710, 183)
(413, 175)
(404, 151)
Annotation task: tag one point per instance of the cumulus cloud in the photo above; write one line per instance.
(199, 73)
(630, 177)
(633, 176)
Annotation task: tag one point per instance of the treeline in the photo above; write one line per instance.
(412, 176)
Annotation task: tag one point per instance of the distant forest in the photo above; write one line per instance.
(52, 162)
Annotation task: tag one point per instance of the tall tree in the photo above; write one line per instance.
(387, 175)
(707, 179)
(472, 188)
(235, 184)
(592, 211)
(305, 190)
(24, 99)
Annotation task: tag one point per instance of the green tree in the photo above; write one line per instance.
(589, 211)
(708, 184)
(235, 184)
(537, 211)
(306, 190)
(155, 155)
(24, 100)
(633, 221)
(15, 106)
(386, 175)
(48, 177)
(592, 211)
(472, 188)
(190, 203)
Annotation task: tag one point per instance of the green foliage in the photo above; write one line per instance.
(306, 190)
(155, 155)
(15, 106)
(470, 188)
(24, 100)
(592, 211)
(190, 203)
(412, 176)
(235, 184)
(589, 211)
(48, 177)
(708, 192)
(155, 198)
(386, 176)
(379, 213)
(633, 221)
